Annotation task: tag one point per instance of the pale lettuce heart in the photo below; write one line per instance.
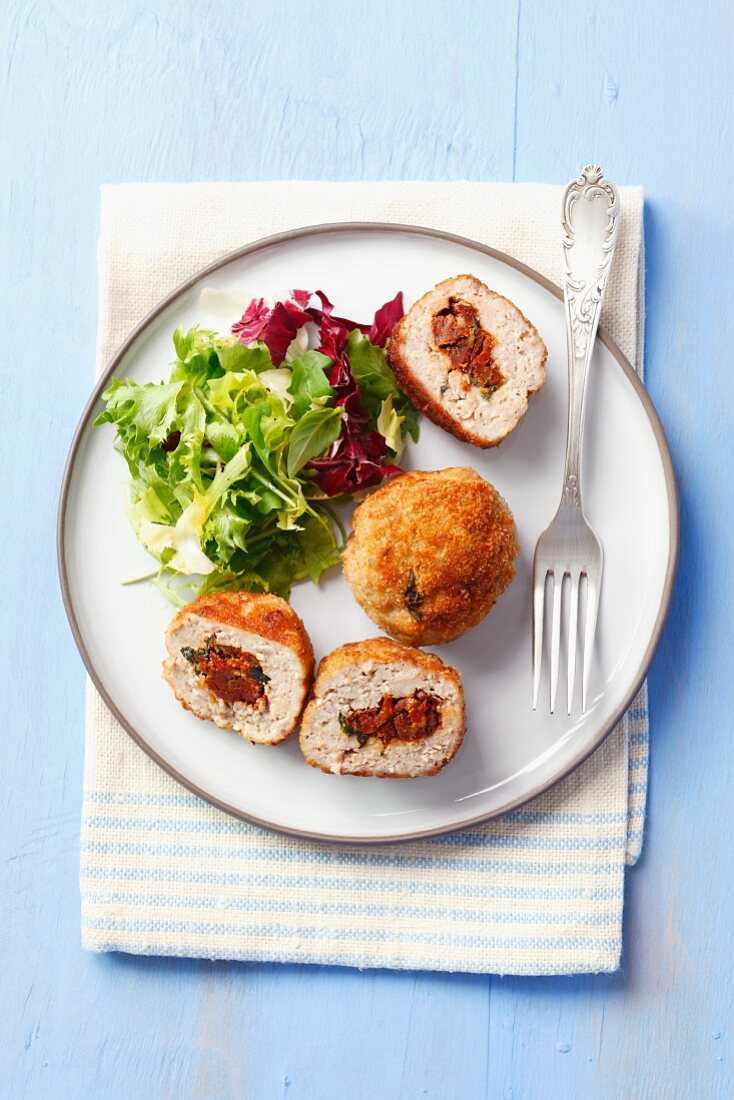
(388, 425)
(223, 306)
(184, 538)
(298, 345)
(277, 380)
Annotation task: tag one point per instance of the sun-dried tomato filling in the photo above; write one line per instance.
(410, 718)
(457, 331)
(232, 674)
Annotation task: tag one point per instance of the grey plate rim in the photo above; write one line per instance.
(365, 227)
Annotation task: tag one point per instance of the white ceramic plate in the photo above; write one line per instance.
(510, 752)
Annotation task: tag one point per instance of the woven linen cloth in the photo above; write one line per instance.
(539, 891)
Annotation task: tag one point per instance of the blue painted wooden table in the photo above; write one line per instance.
(522, 89)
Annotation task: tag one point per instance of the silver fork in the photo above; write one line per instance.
(569, 547)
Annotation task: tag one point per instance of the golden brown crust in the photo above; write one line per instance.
(449, 533)
(259, 613)
(416, 391)
(388, 775)
(383, 650)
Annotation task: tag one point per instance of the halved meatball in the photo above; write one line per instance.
(381, 709)
(430, 553)
(242, 660)
(468, 359)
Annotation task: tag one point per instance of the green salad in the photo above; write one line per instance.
(239, 461)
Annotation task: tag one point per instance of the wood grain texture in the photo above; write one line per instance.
(95, 91)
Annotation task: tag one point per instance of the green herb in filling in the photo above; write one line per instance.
(256, 673)
(196, 655)
(363, 738)
(413, 598)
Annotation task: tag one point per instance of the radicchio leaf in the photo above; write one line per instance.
(252, 321)
(333, 331)
(350, 466)
(301, 297)
(385, 320)
(275, 327)
(356, 459)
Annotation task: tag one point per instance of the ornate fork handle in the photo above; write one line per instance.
(590, 222)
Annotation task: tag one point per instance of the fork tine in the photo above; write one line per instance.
(592, 606)
(538, 604)
(556, 636)
(572, 634)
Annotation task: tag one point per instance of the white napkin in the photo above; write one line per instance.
(537, 892)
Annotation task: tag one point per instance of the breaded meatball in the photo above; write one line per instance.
(382, 709)
(242, 660)
(468, 359)
(430, 553)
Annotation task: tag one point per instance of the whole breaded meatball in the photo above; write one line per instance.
(430, 553)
